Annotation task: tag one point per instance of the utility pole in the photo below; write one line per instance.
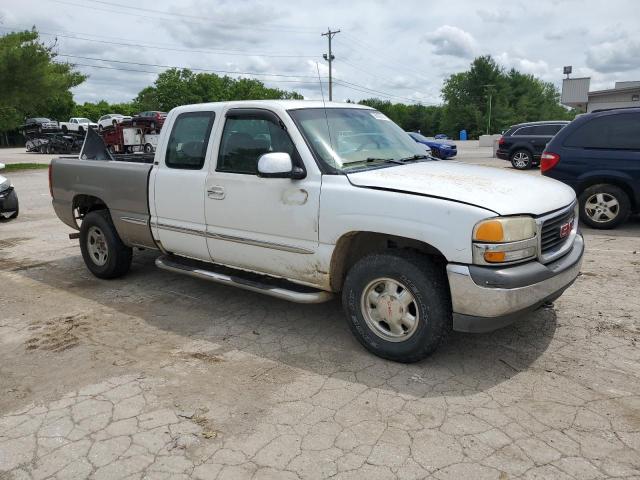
(489, 88)
(329, 34)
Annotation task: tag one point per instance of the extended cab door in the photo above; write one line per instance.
(268, 225)
(177, 184)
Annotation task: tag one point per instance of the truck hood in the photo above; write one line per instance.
(504, 192)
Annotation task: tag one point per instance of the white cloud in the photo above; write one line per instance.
(449, 40)
(539, 68)
(620, 55)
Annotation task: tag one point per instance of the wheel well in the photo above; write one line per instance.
(84, 204)
(353, 246)
(590, 182)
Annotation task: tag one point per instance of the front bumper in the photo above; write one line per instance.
(486, 298)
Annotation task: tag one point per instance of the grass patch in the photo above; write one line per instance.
(12, 167)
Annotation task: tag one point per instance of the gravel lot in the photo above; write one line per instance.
(162, 376)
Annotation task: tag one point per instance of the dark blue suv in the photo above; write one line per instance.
(598, 155)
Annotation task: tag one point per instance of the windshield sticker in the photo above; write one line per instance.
(380, 116)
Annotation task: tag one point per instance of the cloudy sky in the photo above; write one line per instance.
(400, 50)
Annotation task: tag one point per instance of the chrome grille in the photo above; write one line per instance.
(553, 241)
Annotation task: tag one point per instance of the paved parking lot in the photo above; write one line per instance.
(162, 376)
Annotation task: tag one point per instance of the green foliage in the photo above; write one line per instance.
(12, 167)
(182, 87)
(515, 98)
(31, 82)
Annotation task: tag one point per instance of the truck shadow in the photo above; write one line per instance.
(313, 338)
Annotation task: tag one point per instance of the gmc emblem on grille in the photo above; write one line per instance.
(566, 229)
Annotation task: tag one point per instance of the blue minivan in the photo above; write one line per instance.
(598, 155)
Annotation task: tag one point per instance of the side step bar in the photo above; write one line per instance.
(248, 281)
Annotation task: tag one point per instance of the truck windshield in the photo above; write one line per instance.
(353, 138)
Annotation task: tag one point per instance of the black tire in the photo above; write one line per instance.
(80, 130)
(594, 211)
(426, 282)
(100, 128)
(521, 159)
(64, 129)
(43, 149)
(118, 256)
(148, 148)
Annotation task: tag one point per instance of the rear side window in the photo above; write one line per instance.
(188, 141)
(548, 130)
(525, 131)
(245, 140)
(613, 132)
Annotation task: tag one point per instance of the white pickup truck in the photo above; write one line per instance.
(78, 125)
(301, 201)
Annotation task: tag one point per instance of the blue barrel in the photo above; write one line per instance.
(463, 134)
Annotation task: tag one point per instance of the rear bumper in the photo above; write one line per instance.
(485, 298)
(502, 155)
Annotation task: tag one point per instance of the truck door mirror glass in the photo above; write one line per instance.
(278, 165)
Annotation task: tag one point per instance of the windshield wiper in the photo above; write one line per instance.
(385, 160)
(412, 158)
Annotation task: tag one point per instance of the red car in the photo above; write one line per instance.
(151, 119)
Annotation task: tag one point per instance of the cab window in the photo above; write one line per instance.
(187, 146)
(245, 140)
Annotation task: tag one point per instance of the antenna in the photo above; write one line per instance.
(324, 106)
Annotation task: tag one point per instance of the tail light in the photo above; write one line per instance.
(50, 185)
(548, 160)
(501, 141)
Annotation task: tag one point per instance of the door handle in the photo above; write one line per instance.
(215, 192)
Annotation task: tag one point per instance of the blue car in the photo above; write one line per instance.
(439, 148)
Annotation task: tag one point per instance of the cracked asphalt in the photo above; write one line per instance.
(159, 376)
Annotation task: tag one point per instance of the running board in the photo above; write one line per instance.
(273, 287)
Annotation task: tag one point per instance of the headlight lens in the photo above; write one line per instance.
(505, 240)
(506, 229)
(5, 185)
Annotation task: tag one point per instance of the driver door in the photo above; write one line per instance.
(268, 225)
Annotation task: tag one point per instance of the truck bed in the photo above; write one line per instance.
(122, 185)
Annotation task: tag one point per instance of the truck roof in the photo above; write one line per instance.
(277, 104)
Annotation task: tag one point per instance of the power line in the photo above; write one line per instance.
(364, 89)
(196, 17)
(231, 72)
(301, 82)
(174, 49)
(172, 21)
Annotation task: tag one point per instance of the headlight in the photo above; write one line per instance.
(505, 240)
(5, 185)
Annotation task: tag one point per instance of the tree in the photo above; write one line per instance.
(176, 87)
(32, 83)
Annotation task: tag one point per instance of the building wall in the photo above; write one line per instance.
(613, 100)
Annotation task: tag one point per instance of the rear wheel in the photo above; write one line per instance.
(80, 130)
(102, 249)
(521, 159)
(148, 148)
(397, 305)
(604, 206)
(64, 129)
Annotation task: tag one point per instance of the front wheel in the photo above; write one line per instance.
(104, 253)
(398, 305)
(604, 206)
(521, 159)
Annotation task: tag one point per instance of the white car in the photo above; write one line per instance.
(111, 120)
(303, 201)
(77, 124)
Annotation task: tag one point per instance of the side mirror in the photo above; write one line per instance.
(278, 165)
